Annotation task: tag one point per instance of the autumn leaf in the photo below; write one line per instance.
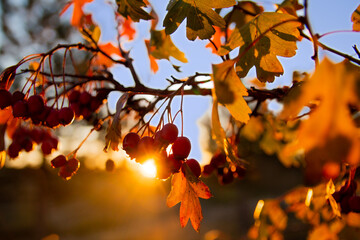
(219, 135)
(199, 14)
(78, 13)
(289, 7)
(153, 64)
(127, 29)
(261, 40)
(162, 47)
(329, 134)
(355, 18)
(188, 194)
(113, 135)
(242, 13)
(133, 9)
(110, 50)
(230, 91)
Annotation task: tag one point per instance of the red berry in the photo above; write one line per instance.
(76, 108)
(94, 104)
(73, 165)
(181, 148)
(344, 205)
(66, 116)
(354, 203)
(20, 109)
(52, 119)
(169, 132)
(240, 172)
(59, 161)
(74, 96)
(193, 165)
(17, 96)
(86, 113)
(102, 94)
(41, 117)
(48, 146)
(65, 173)
(5, 98)
(207, 170)
(37, 135)
(109, 165)
(227, 177)
(131, 141)
(36, 104)
(218, 160)
(26, 144)
(14, 150)
(145, 149)
(85, 98)
(174, 164)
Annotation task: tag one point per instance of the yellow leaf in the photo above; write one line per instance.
(289, 7)
(188, 193)
(353, 219)
(267, 36)
(253, 129)
(277, 216)
(230, 91)
(355, 18)
(329, 134)
(322, 232)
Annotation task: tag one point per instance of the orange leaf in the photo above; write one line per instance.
(110, 50)
(153, 64)
(5, 115)
(217, 38)
(78, 13)
(188, 193)
(127, 29)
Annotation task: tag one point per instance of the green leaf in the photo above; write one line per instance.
(162, 47)
(200, 17)
(261, 40)
(230, 91)
(133, 9)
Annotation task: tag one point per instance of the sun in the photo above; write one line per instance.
(148, 169)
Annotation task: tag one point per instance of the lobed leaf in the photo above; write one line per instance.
(133, 9)
(188, 193)
(199, 14)
(230, 91)
(261, 40)
(355, 18)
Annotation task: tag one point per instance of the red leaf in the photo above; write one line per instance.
(188, 193)
(78, 13)
(110, 50)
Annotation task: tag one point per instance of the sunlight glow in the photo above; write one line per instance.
(148, 169)
(308, 197)
(258, 209)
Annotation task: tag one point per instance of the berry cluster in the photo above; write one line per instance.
(25, 139)
(346, 196)
(34, 108)
(141, 149)
(84, 104)
(226, 172)
(68, 167)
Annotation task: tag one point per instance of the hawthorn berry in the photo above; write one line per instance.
(354, 204)
(193, 165)
(218, 160)
(174, 164)
(73, 165)
(58, 161)
(145, 149)
(5, 98)
(227, 177)
(14, 150)
(66, 116)
(65, 173)
(85, 98)
(20, 109)
(109, 165)
(36, 104)
(181, 148)
(130, 142)
(74, 96)
(208, 170)
(52, 119)
(49, 145)
(169, 132)
(17, 96)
